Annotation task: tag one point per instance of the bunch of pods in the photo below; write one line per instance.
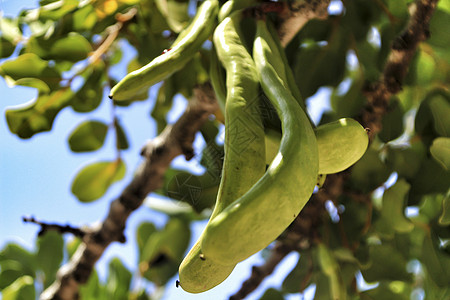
(254, 204)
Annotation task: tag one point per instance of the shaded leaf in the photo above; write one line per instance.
(386, 264)
(272, 294)
(21, 289)
(406, 161)
(12, 270)
(385, 292)
(370, 171)
(122, 140)
(119, 279)
(392, 123)
(163, 251)
(436, 261)
(143, 233)
(331, 269)
(89, 96)
(432, 116)
(93, 180)
(39, 115)
(88, 136)
(392, 213)
(6, 47)
(50, 254)
(444, 219)
(300, 276)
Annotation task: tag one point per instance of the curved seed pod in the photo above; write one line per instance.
(257, 218)
(233, 5)
(244, 161)
(340, 144)
(183, 49)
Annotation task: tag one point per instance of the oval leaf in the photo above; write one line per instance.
(440, 150)
(94, 180)
(50, 254)
(88, 136)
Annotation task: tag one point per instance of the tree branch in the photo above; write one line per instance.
(403, 48)
(295, 15)
(57, 227)
(158, 154)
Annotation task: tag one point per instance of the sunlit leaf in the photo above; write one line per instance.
(88, 136)
(21, 289)
(39, 115)
(57, 9)
(93, 180)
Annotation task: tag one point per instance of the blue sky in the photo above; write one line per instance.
(36, 174)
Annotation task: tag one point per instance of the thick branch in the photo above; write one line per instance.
(158, 153)
(402, 52)
(295, 15)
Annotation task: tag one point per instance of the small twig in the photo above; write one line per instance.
(56, 227)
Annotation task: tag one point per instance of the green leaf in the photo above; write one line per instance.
(331, 269)
(440, 150)
(17, 253)
(122, 140)
(29, 65)
(406, 161)
(163, 251)
(12, 270)
(300, 276)
(392, 123)
(436, 261)
(21, 289)
(92, 288)
(163, 104)
(272, 294)
(349, 104)
(392, 213)
(430, 179)
(10, 29)
(73, 47)
(57, 9)
(88, 136)
(50, 254)
(198, 191)
(6, 47)
(119, 279)
(89, 96)
(432, 116)
(369, 172)
(439, 37)
(385, 292)
(386, 264)
(325, 64)
(39, 115)
(84, 18)
(444, 219)
(93, 181)
(143, 233)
